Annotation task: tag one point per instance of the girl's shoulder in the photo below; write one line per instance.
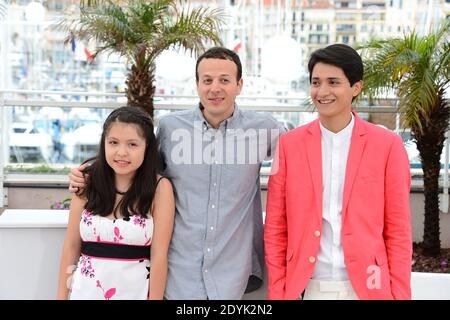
(162, 182)
(79, 201)
(164, 189)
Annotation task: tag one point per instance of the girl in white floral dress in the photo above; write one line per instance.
(121, 223)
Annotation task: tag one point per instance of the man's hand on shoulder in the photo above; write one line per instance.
(76, 178)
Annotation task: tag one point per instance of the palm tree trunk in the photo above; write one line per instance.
(141, 88)
(430, 142)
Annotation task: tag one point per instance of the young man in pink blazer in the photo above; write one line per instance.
(338, 217)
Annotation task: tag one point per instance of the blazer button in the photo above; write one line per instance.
(312, 259)
(317, 233)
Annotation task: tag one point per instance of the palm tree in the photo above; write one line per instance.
(417, 69)
(141, 30)
(3, 10)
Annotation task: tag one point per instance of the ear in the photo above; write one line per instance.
(240, 84)
(357, 87)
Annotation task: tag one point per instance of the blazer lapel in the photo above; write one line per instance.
(314, 151)
(357, 144)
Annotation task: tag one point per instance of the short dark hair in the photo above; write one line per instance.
(221, 53)
(100, 190)
(341, 56)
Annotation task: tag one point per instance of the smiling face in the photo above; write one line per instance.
(217, 88)
(332, 94)
(124, 148)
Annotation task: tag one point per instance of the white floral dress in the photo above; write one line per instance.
(115, 258)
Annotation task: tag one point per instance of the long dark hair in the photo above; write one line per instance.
(100, 190)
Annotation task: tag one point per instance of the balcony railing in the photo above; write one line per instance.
(291, 105)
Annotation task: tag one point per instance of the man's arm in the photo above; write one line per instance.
(397, 220)
(275, 229)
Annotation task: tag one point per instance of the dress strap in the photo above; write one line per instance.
(160, 178)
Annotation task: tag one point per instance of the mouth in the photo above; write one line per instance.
(122, 163)
(325, 101)
(216, 100)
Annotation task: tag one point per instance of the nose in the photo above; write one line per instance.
(122, 150)
(215, 86)
(322, 90)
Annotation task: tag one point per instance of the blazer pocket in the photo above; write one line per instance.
(289, 254)
(380, 259)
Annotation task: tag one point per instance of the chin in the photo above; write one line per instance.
(122, 171)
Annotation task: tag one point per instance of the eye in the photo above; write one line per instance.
(132, 144)
(334, 82)
(314, 83)
(207, 81)
(225, 80)
(112, 142)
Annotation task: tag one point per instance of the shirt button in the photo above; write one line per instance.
(215, 184)
(317, 233)
(213, 206)
(208, 249)
(312, 259)
(212, 228)
(206, 270)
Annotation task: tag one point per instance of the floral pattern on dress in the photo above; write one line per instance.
(86, 267)
(108, 294)
(139, 221)
(111, 278)
(117, 236)
(87, 218)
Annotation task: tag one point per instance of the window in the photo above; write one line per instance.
(345, 28)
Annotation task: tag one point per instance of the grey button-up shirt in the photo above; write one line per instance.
(217, 241)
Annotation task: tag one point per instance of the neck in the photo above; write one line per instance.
(122, 183)
(336, 124)
(216, 120)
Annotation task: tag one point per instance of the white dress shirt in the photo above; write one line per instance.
(330, 263)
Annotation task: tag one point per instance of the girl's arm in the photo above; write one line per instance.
(71, 247)
(163, 218)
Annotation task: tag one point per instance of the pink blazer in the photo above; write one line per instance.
(376, 228)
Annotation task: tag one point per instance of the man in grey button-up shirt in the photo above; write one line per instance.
(213, 156)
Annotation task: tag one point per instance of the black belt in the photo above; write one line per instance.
(115, 251)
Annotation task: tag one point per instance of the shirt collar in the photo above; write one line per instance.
(344, 133)
(226, 124)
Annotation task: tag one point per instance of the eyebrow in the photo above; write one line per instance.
(220, 75)
(129, 140)
(330, 78)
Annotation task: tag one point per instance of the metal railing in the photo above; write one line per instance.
(31, 98)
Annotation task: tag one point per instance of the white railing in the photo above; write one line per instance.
(27, 98)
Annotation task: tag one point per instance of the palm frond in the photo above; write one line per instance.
(193, 29)
(94, 3)
(441, 54)
(414, 67)
(3, 10)
(140, 30)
